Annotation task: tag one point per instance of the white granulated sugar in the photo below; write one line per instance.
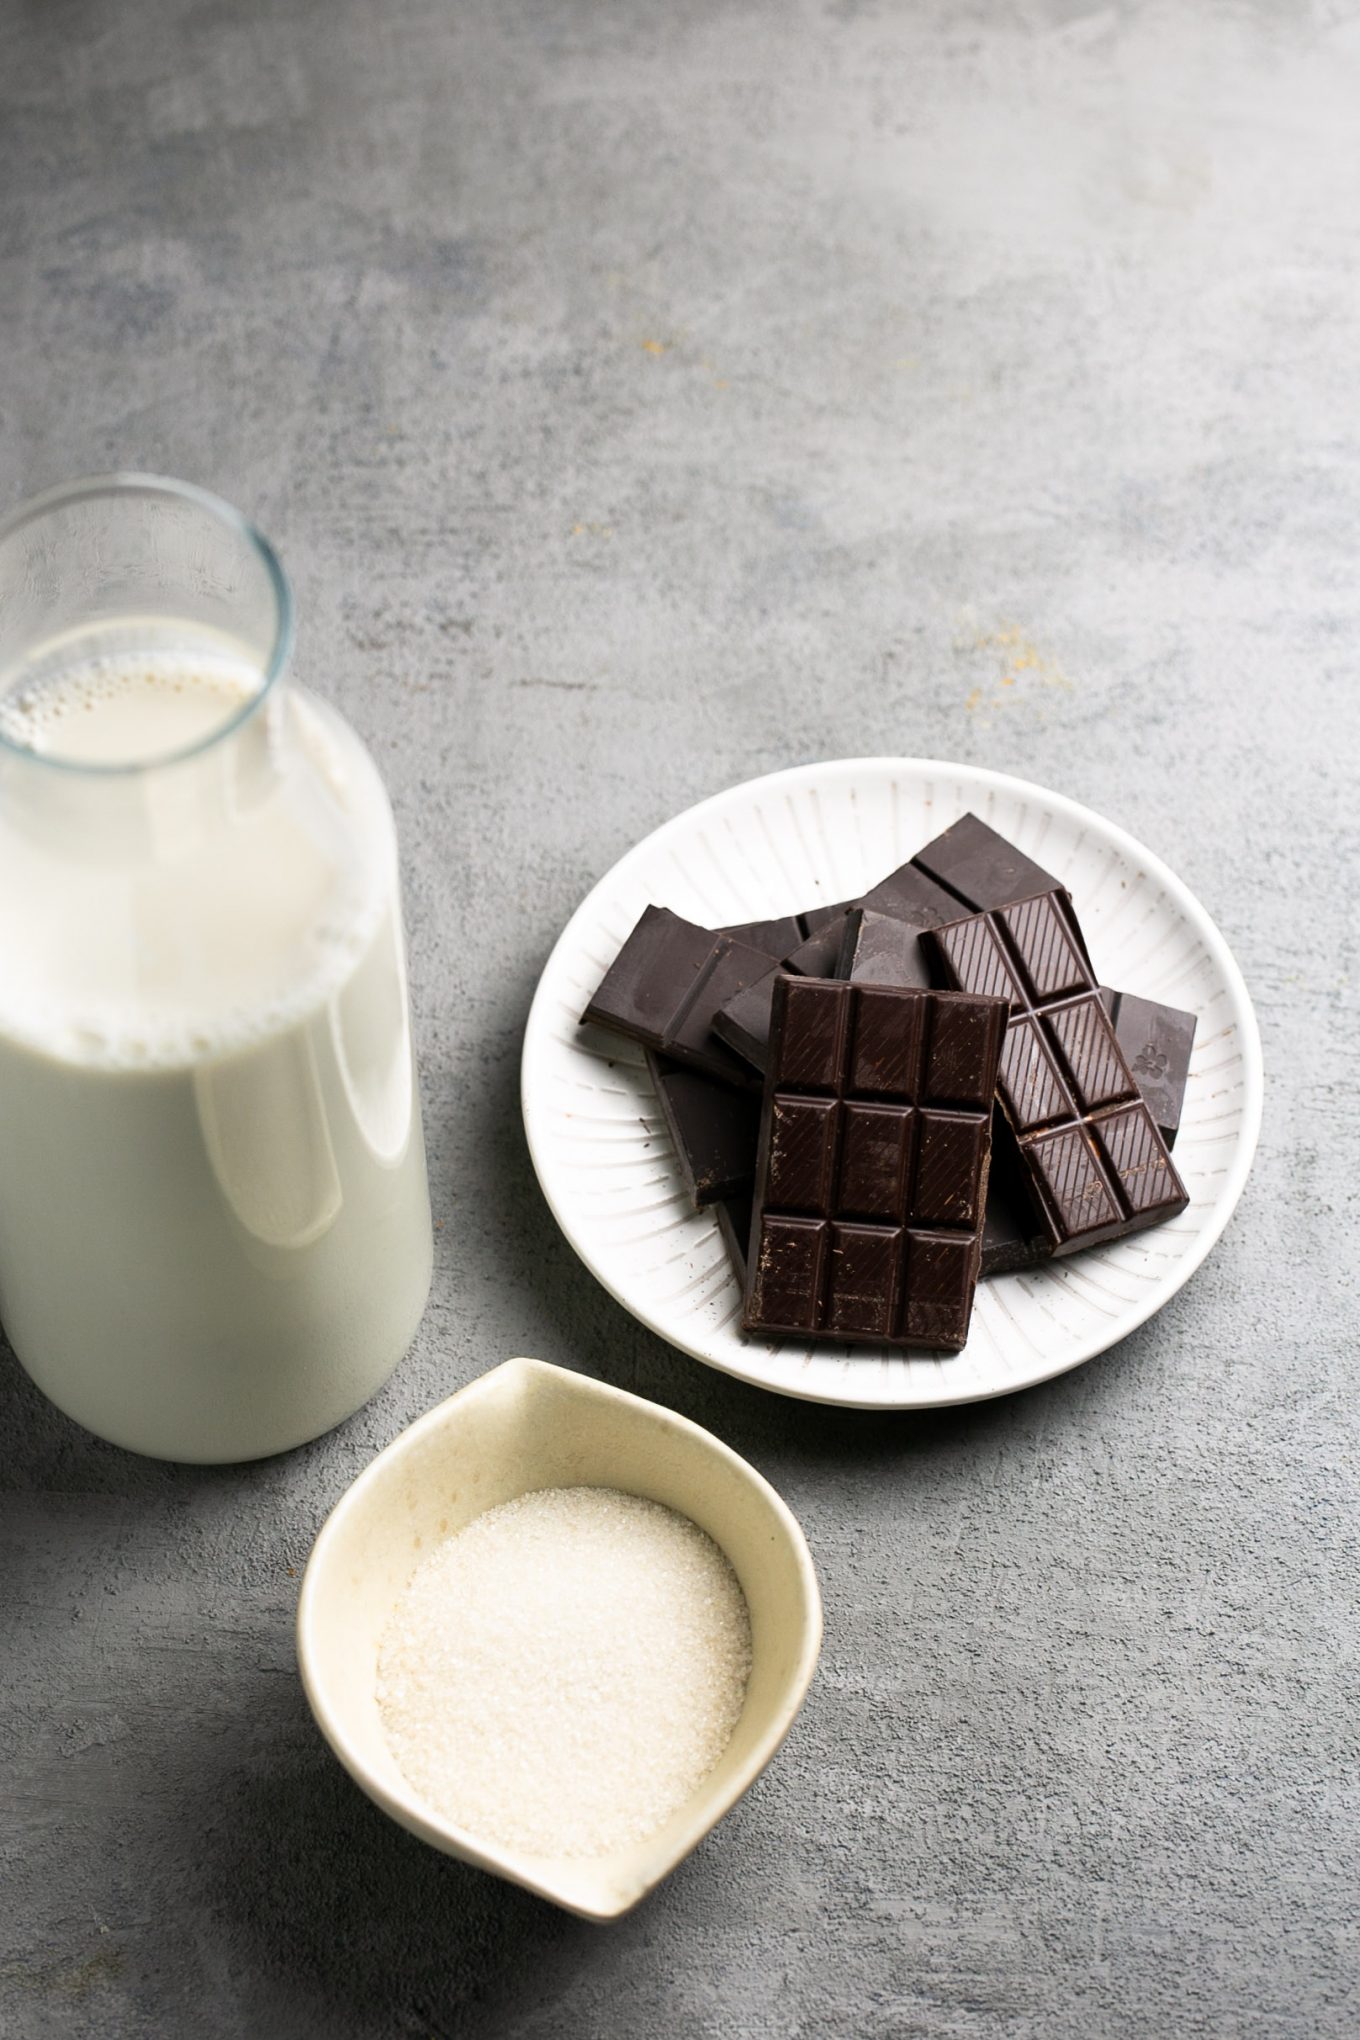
(560, 1675)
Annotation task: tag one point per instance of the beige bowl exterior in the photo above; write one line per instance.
(526, 1425)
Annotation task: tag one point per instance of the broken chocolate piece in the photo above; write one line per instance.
(664, 983)
(880, 949)
(1156, 1041)
(1014, 1237)
(714, 1129)
(872, 1174)
(670, 976)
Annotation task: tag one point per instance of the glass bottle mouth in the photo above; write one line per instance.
(273, 661)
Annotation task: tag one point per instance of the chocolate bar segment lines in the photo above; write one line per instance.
(872, 1175)
(982, 869)
(1097, 1164)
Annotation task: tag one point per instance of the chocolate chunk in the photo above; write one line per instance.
(744, 1022)
(785, 932)
(872, 1173)
(669, 977)
(714, 1129)
(1014, 1237)
(969, 865)
(1096, 1165)
(1156, 1041)
(664, 984)
(880, 949)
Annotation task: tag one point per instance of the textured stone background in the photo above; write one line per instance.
(644, 396)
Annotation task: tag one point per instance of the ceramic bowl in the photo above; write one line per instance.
(524, 1426)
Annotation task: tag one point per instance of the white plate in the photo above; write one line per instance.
(825, 833)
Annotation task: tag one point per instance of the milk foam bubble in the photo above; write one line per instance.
(126, 708)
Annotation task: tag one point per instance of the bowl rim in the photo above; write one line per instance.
(407, 1807)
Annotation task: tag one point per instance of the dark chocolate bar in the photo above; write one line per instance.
(713, 1127)
(1096, 1164)
(666, 982)
(968, 865)
(872, 1173)
(1156, 1041)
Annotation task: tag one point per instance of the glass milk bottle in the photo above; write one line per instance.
(214, 1219)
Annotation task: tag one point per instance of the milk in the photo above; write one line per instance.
(214, 1221)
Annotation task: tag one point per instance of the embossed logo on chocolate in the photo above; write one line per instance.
(1151, 1061)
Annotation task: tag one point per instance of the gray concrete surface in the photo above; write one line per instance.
(645, 396)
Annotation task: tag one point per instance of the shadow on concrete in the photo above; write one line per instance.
(47, 1452)
(324, 1900)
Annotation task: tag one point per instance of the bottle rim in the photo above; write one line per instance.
(132, 483)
